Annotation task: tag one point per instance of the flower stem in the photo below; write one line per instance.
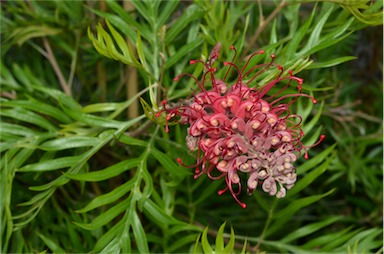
(267, 223)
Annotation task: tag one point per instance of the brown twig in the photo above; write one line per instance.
(140, 130)
(132, 85)
(263, 23)
(52, 60)
(101, 80)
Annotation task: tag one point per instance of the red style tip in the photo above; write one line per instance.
(193, 61)
(290, 72)
(233, 47)
(322, 137)
(226, 63)
(300, 81)
(280, 67)
(272, 56)
(243, 205)
(220, 192)
(314, 101)
(179, 160)
(176, 79)
(261, 51)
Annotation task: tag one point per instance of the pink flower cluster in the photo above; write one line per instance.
(239, 131)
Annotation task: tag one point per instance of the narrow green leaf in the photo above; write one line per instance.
(308, 126)
(149, 112)
(365, 241)
(240, 43)
(69, 142)
(39, 107)
(64, 100)
(204, 242)
(92, 120)
(101, 107)
(309, 229)
(297, 204)
(109, 197)
(181, 242)
(54, 164)
(315, 35)
(124, 22)
(145, 9)
(140, 52)
(132, 141)
(156, 214)
(330, 63)
(106, 173)
(182, 226)
(339, 240)
(309, 178)
(166, 12)
(9, 128)
(273, 36)
(7, 77)
(120, 42)
(52, 184)
(220, 239)
(322, 240)
(109, 236)
(139, 234)
(196, 248)
(148, 186)
(244, 249)
(209, 190)
(28, 117)
(294, 42)
(313, 162)
(35, 199)
(332, 38)
(22, 34)
(52, 244)
(304, 109)
(285, 214)
(107, 216)
(168, 164)
(181, 53)
(192, 13)
(231, 244)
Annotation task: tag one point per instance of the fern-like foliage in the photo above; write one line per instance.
(78, 175)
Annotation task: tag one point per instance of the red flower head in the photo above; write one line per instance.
(239, 131)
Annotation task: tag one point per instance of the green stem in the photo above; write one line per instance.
(267, 223)
(191, 205)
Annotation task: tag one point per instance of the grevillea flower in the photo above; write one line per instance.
(240, 132)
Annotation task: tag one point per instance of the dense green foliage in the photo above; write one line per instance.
(86, 168)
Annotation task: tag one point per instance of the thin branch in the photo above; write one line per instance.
(51, 58)
(140, 130)
(101, 80)
(263, 23)
(132, 84)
